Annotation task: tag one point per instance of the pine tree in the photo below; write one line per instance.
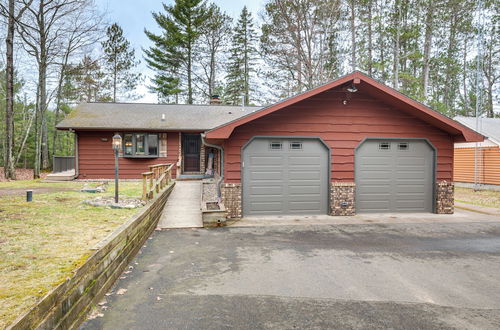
(119, 60)
(243, 54)
(213, 45)
(173, 51)
(89, 81)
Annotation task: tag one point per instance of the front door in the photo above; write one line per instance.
(191, 144)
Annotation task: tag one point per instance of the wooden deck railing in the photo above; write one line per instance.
(155, 180)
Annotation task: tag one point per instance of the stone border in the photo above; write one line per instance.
(67, 305)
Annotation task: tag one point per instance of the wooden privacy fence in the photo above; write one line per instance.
(63, 163)
(155, 180)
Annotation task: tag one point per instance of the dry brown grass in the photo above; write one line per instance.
(42, 242)
(489, 198)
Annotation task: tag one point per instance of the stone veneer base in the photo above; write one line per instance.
(445, 197)
(231, 197)
(342, 198)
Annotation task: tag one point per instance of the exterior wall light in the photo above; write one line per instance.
(117, 145)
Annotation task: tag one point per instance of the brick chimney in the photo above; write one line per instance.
(215, 100)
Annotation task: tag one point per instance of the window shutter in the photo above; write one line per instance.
(163, 145)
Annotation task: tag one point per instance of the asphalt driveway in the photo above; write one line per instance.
(442, 275)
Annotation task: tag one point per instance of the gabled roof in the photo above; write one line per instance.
(489, 127)
(374, 88)
(140, 116)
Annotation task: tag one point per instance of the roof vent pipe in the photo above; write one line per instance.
(243, 102)
(162, 117)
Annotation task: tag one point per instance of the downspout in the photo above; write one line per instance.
(76, 153)
(221, 151)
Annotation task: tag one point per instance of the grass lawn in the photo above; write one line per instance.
(488, 198)
(43, 241)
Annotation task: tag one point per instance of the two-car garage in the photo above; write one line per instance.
(288, 176)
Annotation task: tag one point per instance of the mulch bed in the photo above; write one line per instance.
(21, 174)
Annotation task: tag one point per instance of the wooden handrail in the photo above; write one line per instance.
(156, 179)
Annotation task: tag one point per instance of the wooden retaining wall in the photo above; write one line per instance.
(67, 305)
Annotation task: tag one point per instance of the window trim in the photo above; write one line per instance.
(388, 143)
(406, 144)
(276, 143)
(146, 145)
(298, 143)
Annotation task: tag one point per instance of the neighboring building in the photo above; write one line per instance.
(486, 156)
(352, 145)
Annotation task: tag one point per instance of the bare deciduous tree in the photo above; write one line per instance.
(12, 19)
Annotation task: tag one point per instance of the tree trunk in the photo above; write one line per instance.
(464, 81)
(9, 168)
(429, 29)
(115, 74)
(396, 47)
(370, 39)
(353, 35)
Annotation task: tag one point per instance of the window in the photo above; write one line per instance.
(153, 144)
(295, 145)
(403, 146)
(128, 144)
(384, 145)
(275, 145)
(140, 145)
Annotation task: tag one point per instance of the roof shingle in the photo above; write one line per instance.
(141, 116)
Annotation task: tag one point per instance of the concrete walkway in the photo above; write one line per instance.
(183, 207)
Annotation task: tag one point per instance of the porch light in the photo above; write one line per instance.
(352, 88)
(117, 142)
(117, 145)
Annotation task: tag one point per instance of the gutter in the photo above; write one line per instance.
(221, 151)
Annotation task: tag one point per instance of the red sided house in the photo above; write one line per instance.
(351, 145)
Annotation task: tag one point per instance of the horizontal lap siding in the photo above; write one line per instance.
(342, 128)
(96, 158)
(464, 165)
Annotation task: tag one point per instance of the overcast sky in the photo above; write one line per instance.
(135, 15)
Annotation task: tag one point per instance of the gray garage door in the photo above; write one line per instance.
(394, 176)
(285, 176)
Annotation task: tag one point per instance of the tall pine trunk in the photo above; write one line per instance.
(429, 29)
(353, 34)
(396, 45)
(9, 166)
(370, 39)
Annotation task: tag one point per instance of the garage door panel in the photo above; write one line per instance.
(394, 180)
(266, 175)
(266, 160)
(374, 189)
(285, 181)
(373, 206)
(266, 190)
(410, 161)
(303, 207)
(305, 190)
(374, 161)
(309, 175)
(307, 160)
(375, 174)
(414, 189)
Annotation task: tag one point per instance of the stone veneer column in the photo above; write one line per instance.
(202, 159)
(445, 197)
(231, 197)
(342, 201)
